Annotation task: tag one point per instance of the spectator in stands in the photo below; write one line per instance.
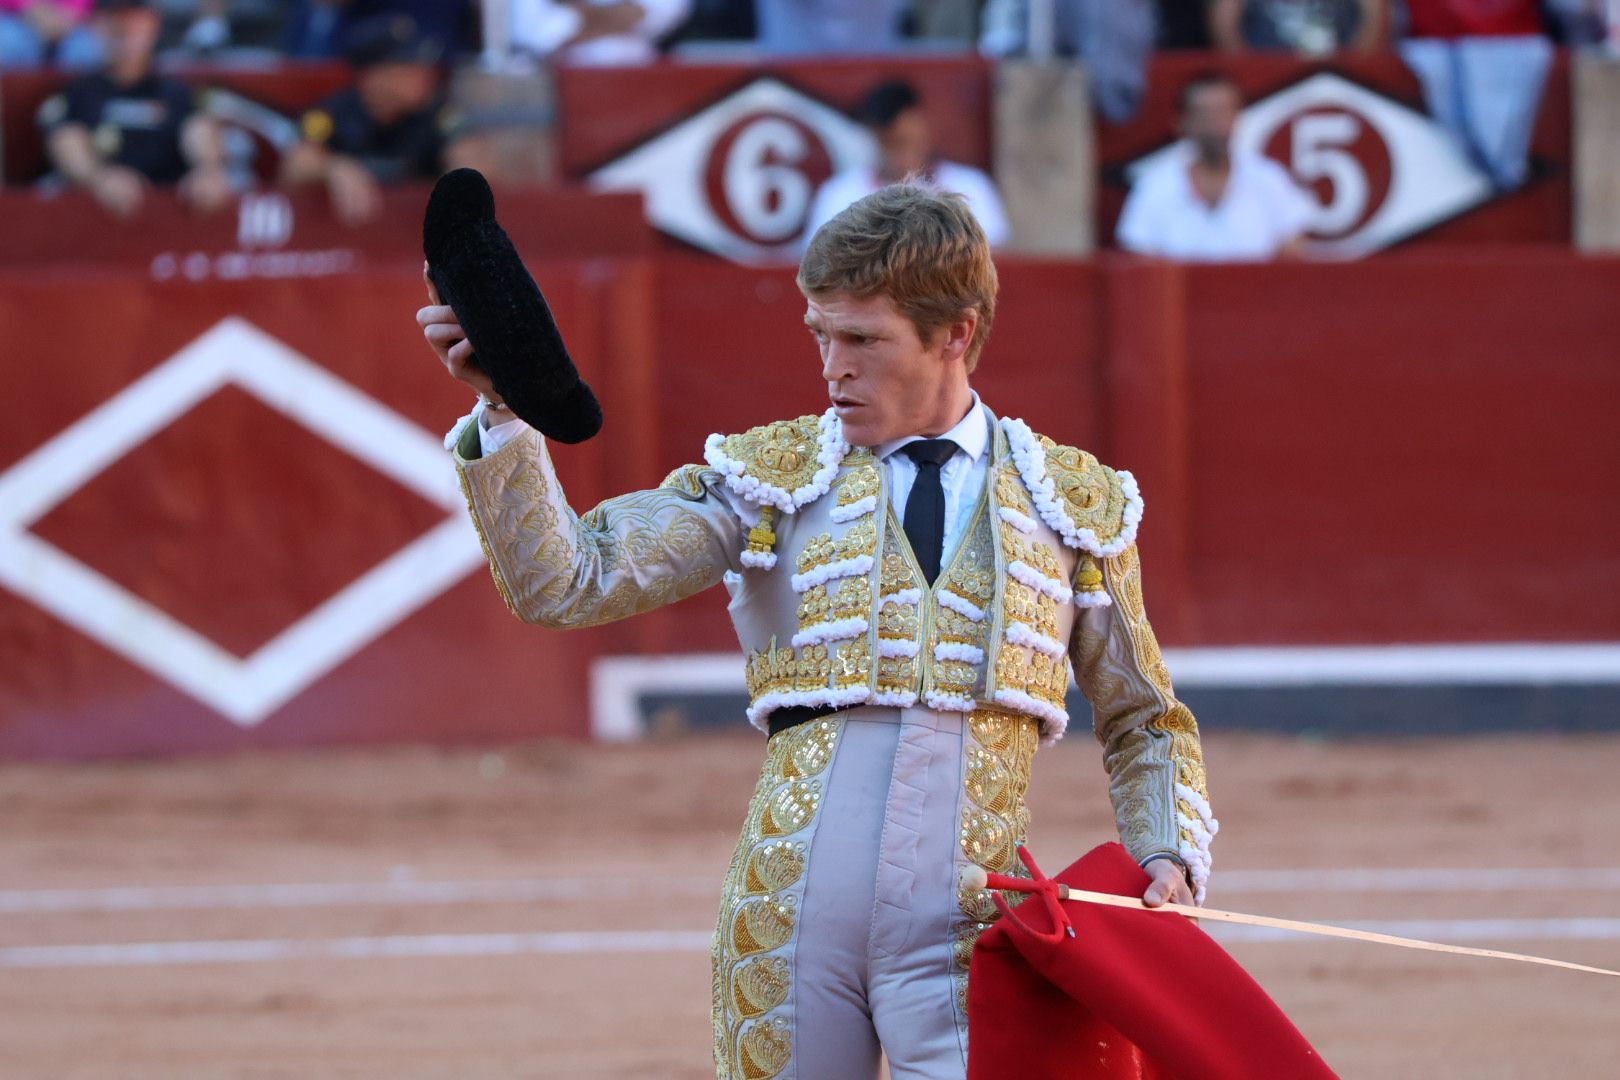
(1205, 203)
(892, 111)
(1483, 64)
(1581, 23)
(322, 28)
(828, 27)
(1312, 27)
(33, 32)
(595, 31)
(718, 20)
(124, 127)
(1183, 24)
(391, 125)
(1112, 38)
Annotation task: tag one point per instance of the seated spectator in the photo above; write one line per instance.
(1183, 24)
(392, 125)
(321, 28)
(1483, 64)
(1581, 23)
(1313, 27)
(1206, 204)
(124, 127)
(34, 32)
(1112, 39)
(829, 27)
(595, 31)
(892, 111)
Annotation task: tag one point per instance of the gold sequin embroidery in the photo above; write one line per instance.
(1091, 491)
(999, 754)
(759, 907)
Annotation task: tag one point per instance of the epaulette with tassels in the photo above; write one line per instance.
(779, 468)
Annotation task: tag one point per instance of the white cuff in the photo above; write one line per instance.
(491, 439)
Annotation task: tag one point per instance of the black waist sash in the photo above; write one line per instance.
(794, 715)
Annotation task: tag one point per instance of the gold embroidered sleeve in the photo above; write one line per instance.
(1150, 739)
(628, 555)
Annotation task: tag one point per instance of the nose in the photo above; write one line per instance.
(835, 363)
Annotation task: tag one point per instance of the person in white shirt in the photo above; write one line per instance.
(595, 31)
(893, 112)
(1204, 203)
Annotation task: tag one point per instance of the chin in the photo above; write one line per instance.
(857, 433)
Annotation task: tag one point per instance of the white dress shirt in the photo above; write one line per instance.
(962, 477)
(842, 189)
(544, 28)
(1261, 211)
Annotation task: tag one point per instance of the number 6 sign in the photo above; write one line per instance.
(738, 177)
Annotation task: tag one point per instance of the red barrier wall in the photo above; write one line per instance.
(1414, 450)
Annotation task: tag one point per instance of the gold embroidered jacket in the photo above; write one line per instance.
(831, 607)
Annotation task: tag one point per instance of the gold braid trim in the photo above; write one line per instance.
(1094, 495)
(998, 758)
(1125, 570)
(759, 907)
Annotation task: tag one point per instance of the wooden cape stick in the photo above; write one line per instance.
(1111, 900)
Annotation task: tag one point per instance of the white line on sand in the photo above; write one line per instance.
(352, 948)
(346, 894)
(543, 890)
(647, 941)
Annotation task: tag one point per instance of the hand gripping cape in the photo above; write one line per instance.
(478, 273)
(1136, 994)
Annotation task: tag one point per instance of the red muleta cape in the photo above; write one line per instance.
(1134, 994)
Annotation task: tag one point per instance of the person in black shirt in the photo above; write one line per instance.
(391, 126)
(123, 128)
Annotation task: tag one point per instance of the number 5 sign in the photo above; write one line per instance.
(738, 177)
(1379, 171)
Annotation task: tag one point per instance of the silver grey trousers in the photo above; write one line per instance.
(842, 932)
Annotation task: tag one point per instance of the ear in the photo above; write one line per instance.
(958, 334)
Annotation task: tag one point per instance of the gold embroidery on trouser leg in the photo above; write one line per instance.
(998, 755)
(759, 905)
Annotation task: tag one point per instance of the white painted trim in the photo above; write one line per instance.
(1495, 664)
(618, 681)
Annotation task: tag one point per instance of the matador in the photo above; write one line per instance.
(913, 579)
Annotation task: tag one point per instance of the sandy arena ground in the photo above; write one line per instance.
(501, 883)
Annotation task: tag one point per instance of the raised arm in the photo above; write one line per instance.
(630, 554)
(1150, 740)
(552, 567)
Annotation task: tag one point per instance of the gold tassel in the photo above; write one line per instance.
(762, 538)
(1089, 579)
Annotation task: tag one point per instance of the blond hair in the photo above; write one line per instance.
(922, 249)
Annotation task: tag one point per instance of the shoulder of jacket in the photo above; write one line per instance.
(1092, 507)
(786, 464)
(692, 481)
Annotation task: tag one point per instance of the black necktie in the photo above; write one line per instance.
(925, 506)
